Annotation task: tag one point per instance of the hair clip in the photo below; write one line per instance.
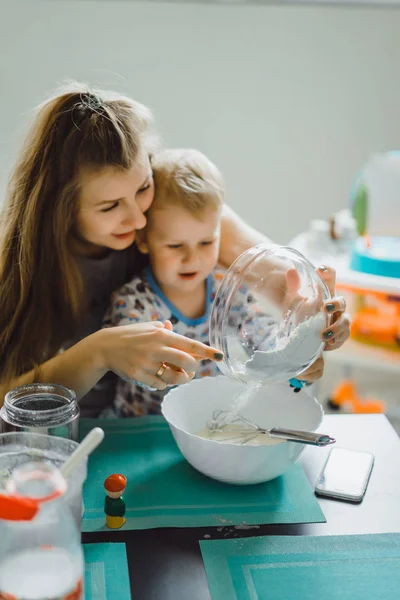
(92, 101)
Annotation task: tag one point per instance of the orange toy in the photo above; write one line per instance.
(114, 504)
(345, 396)
(374, 327)
(375, 317)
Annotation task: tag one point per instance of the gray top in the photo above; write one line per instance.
(101, 277)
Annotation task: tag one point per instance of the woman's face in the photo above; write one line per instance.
(112, 203)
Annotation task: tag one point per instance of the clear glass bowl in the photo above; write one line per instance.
(267, 316)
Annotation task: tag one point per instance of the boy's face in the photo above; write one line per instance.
(183, 249)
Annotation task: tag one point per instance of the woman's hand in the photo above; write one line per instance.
(314, 372)
(136, 352)
(339, 330)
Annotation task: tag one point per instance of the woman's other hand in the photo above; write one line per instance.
(137, 352)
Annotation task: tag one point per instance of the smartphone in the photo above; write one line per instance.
(345, 475)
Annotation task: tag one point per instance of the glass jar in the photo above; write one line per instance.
(268, 315)
(41, 554)
(18, 448)
(48, 408)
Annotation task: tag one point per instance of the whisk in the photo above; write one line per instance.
(248, 430)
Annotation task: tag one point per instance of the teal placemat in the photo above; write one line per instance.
(106, 572)
(163, 490)
(349, 567)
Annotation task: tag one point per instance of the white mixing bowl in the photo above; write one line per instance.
(188, 408)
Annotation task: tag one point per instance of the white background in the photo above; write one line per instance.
(289, 101)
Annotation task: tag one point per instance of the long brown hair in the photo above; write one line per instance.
(41, 290)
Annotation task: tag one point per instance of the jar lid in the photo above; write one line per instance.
(268, 315)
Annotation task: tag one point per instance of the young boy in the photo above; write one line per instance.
(182, 240)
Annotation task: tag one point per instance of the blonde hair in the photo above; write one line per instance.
(42, 296)
(186, 178)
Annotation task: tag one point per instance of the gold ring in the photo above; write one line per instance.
(161, 370)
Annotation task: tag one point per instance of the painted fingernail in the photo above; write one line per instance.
(328, 334)
(330, 307)
(322, 268)
(218, 356)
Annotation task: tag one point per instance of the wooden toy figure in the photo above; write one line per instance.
(114, 505)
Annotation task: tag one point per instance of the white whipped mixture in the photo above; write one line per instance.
(238, 434)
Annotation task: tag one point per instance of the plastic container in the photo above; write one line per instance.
(17, 449)
(41, 555)
(41, 408)
(268, 315)
(377, 256)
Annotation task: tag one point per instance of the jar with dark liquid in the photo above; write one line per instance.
(46, 408)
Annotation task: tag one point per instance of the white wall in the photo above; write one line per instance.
(289, 101)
